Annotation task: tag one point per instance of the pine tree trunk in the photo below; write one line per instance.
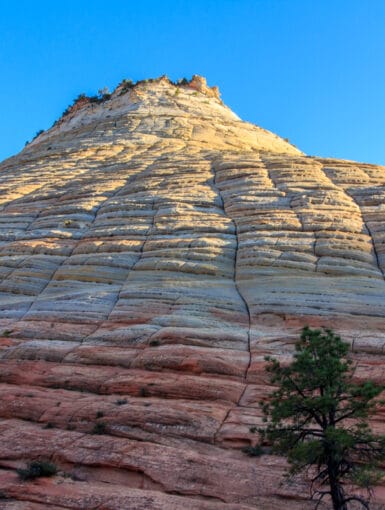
(337, 493)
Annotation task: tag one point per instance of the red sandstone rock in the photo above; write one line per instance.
(153, 250)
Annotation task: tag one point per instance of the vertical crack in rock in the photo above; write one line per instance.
(218, 190)
(272, 165)
(349, 187)
(374, 244)
(83, 235)
(280, 164)
(375, 252)
(141, 251)
(39, 190)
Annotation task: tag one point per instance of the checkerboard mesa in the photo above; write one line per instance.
(154, 248)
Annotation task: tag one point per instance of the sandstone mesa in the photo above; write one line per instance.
(154, 248)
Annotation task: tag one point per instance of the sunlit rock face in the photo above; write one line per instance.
(154, 248)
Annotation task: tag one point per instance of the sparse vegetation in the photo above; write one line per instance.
(38, 133)
(121, 401)
(80, 97)
(126, 85)
(37, 469)
(99, 428)
(104, 94)
(253, 451)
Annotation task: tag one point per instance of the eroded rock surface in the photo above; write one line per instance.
(154, 248)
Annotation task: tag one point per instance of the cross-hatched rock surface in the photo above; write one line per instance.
(153, 249)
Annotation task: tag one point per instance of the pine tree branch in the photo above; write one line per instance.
(363, 502)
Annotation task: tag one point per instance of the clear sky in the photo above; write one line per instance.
(310, 70)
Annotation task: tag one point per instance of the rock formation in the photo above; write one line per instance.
(154, 248)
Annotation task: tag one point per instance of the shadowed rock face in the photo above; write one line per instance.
(154, 248)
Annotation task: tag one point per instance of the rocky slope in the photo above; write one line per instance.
(154, 248)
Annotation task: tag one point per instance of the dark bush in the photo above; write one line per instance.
(38, 133)
(253, 451)
(121, 401)
(99, 428)
(95, 99)
(37, 469)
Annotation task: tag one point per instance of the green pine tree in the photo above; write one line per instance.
(318, 418)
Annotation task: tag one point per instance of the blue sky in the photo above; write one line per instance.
(309, 70)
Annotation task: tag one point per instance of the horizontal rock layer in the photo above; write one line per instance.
(153, 249)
